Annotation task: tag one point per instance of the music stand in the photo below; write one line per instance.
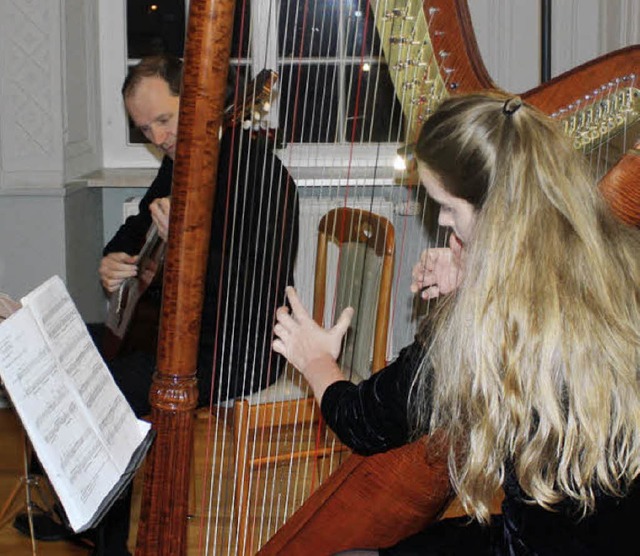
(30, 483)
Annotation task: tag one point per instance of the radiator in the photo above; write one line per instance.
(130, 207)
(311, 211)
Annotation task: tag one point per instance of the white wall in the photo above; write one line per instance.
(48, 134)
(50, 120)
(508, 34)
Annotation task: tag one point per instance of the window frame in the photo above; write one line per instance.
(119, 153)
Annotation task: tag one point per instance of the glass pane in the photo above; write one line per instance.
(361, 37)
(309, 28)
(312, 28)
(308, 103)
(311, 96)
(241, 29)
(373, 109)
(154, 27)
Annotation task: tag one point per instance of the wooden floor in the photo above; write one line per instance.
(12, 470)
(12, 543)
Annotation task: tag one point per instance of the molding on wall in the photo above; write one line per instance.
(81, 108)
(35, 192)
(31, 93)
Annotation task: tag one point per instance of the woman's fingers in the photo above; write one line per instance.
(279, 347)
(297, 308)
(344, 321)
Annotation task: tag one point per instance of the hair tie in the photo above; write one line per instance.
(511, 105)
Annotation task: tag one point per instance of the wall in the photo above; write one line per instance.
(49, 119)
(508, 34)
(48, 134)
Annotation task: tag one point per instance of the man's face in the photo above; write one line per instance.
(154, 110)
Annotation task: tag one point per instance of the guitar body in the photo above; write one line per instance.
(126, 305)
(142, 333)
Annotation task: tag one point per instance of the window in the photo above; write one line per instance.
(334, 85)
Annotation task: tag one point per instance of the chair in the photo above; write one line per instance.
(365, 245)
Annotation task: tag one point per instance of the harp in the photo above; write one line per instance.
(431, 53)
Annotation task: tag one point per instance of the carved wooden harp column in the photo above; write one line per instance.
(163, 522)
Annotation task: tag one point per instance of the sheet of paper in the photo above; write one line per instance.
(71, 344)
(76, 459)
(78, 421)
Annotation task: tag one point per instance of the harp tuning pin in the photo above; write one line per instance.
(393, 14)
(404, 40)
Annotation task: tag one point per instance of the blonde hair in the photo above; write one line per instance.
(535, 358)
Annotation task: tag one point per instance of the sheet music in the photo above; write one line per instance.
(76, 353)
(79, 423)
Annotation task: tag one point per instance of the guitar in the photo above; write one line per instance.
(124, 301)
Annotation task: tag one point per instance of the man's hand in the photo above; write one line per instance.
(160, 209)
(439, 270)
(115, 268)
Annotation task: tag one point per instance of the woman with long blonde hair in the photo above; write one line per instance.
(531, 363)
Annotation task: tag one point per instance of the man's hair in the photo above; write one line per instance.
(164, 66)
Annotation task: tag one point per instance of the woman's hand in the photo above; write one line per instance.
(313, 350)
(160, 209)
(439, 270)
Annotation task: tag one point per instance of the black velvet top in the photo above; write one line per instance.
(372, 417)
(254, 239)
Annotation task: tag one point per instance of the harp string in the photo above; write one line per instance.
(275, 430)
(291, 91)
(301, 86)
(225, 521)
(228, 303)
